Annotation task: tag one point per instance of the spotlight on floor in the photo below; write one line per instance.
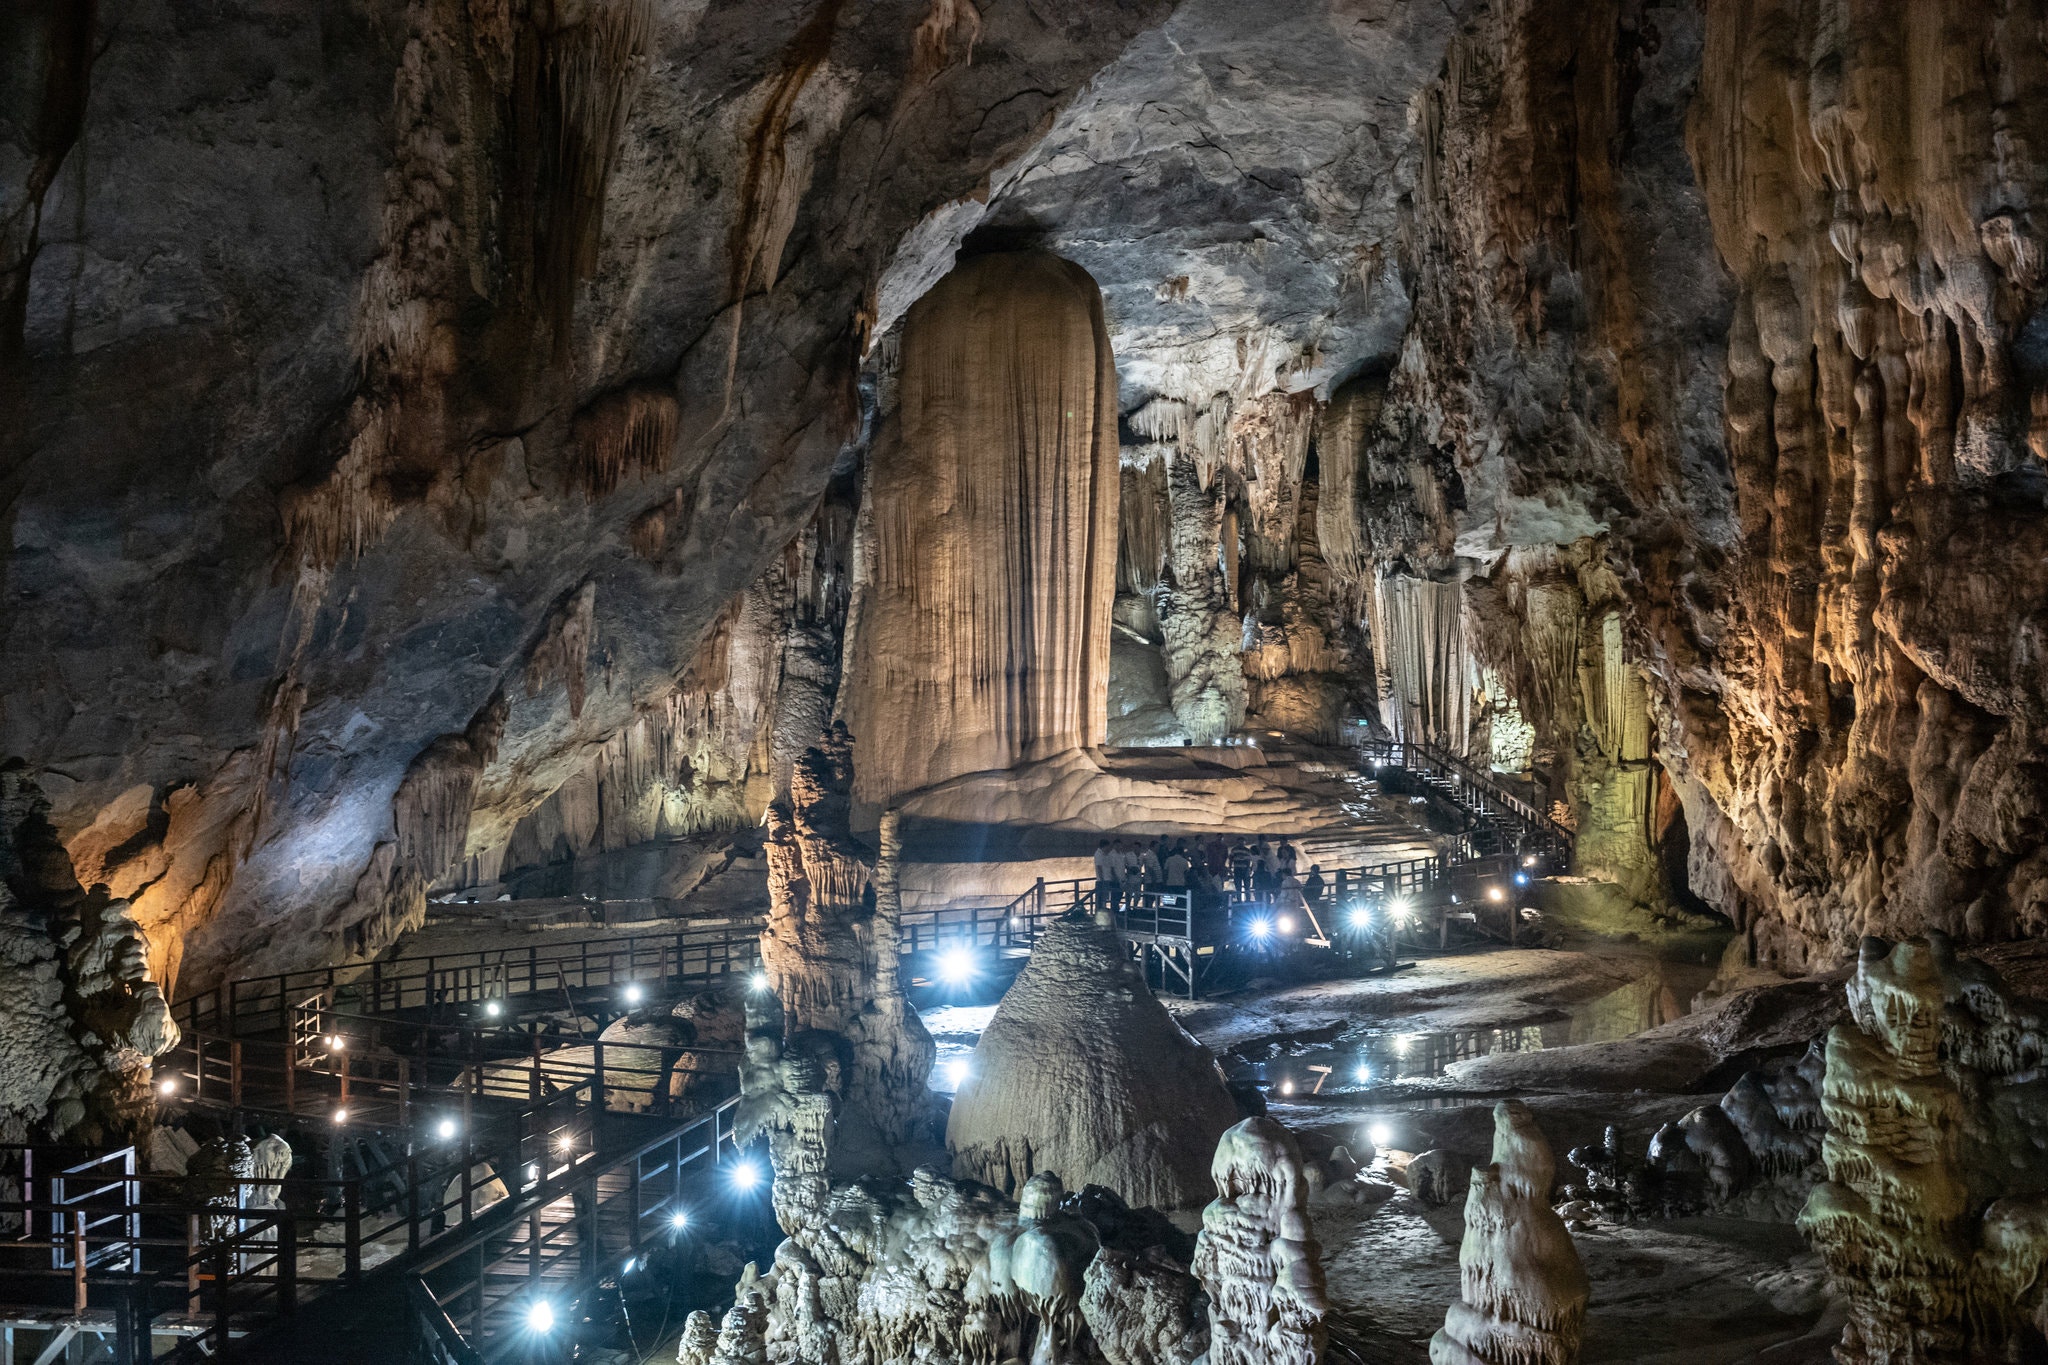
(540, 1316)
(337, 1044)
(1529, 861)
(1361, 917)
(627, 1268)
(167, 1087)
(633, 995)
(1365, 1075)
(1494, 893)
(957, 1072)
(1285, 924)
(341, 1116)
(745, 1176)
(491, 1008)
(566, 1142)
(759, 981)
(446, 1128)
(957, 966)
(1521, 879)
(1260, 927)
(1380, 1135)
(679, 1220)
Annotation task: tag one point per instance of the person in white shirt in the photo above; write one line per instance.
(1109, 868)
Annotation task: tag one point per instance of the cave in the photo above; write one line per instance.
(968, 682)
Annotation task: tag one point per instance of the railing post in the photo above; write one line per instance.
(221, 1262)
(412, 1199)
(192, 1264)
(291, 1070)
(404, 1093)
(352, 1231)
(78, 1258)
(287, 1263)
(598, 1096)
(235, 1074)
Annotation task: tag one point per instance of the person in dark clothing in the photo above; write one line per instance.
(1288, 857)
(1241, 869)
(1312, 889)
(1265, 883)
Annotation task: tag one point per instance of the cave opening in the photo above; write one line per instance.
(1180, 683)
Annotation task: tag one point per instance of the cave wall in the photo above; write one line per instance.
(410, 410)
(405, 388)
(1870, 173)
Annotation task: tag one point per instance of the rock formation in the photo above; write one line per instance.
(831, 960)
(1523, 1290)
(1083, 1073)
(80, 1017)
(1256, 1256)
(1935, 1266)
(982, 636)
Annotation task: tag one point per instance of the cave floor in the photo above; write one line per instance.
(1602, 1032)
(1606, 1029)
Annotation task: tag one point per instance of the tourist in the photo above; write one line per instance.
(1241, 869)
(1288, 858)
(1127, 882)
(1312, 890)
(1149, 868)
(1265, 883)
(1109, 870)
(1176, 868)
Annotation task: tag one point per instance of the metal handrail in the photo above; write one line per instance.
(1427, 758)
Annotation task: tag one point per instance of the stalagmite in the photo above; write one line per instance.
(1930, 1273)
(831, 961)
(1083, 1073)
(1201, 634)
(1257, 1256)
(1523, 1288)
(984, 631)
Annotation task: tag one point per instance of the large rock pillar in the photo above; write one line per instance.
(983, 633)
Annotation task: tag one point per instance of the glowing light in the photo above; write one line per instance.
(633, 994)
(341, 1116)
(759, 981)
(957, 966)
(1521, 879)
(168, 1087)
(679, 1220)
(446, 1128)
(1259, 928)
(1401, 1045)
(1361, 918)
(540, 1316)
(627, 1268)
(337, 1043)
(491, 1008)
(533, 1172)
(1529, 861)
(1379, 1134)
(1364, 1075)
(745, 1176)
(1494, 893)
(957, 1071)
(1287, 1087)
(1286, 923)
(565, 1142)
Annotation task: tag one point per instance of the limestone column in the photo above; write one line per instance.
(984, 630)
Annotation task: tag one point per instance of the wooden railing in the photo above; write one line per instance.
(697, 957)
(1479, 791)
(467, 1296)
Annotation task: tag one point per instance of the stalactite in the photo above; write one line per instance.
(984, 632)
(563, 654)
(623, 434)
(1427, 677)
(1352, 417)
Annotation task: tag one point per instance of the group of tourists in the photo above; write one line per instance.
(1255, 871)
